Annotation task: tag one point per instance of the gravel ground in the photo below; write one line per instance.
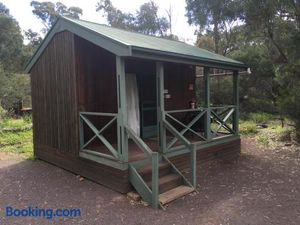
(261, 187)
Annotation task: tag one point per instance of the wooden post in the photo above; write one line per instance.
(154, 184)
(81, 132)
(207, 125)
(194, 165)
(122, 109)
(160, 106)
(235, 122)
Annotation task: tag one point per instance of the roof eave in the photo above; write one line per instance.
(145, 53)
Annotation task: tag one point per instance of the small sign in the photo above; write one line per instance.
(167, 96)
(166, 91)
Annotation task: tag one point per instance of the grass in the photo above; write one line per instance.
(273, 135)
(262, 117)
(248, 127)
(16, 142)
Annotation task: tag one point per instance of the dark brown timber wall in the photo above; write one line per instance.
(178, 78)
(55, 107)
(53, 80)
(226, 150)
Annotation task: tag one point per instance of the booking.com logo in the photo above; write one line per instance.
(42, 212)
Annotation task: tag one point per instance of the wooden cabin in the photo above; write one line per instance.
(122, 109)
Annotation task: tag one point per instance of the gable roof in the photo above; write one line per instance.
(127, 43)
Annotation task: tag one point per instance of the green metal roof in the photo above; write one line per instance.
(139, 40)
(133, 44)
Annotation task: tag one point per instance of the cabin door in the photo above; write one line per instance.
(148, 106)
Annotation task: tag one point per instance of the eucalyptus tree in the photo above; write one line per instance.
(48, 12)
(144, 20)
(214, 16)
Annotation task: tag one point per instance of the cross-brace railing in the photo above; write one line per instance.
(223, 117)
(97, 133)
(190, 146)
(196, 116)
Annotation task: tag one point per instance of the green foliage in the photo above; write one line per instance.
(48, 12)
(16, 142)
(264, 140)
(290, 106)
(145, 20)
(214, 16)
(14, 87)
(279, 23)
(3, 112)
(148, 22)
(9, 122)
(221, 90)
(13, 55)
(34, 39)
(258, 91)
(262, 117)
(3, 9)
(11, 58)
(248, 127)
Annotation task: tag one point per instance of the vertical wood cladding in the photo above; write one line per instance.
(178, 77)
(96, 72)
(96, 86)
(54, 100)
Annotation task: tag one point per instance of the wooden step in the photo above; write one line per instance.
(174, 194)
(146, 171)
(168, 182)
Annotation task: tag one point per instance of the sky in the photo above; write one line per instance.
(22, 12)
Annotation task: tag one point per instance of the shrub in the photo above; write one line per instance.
(248, 127)
(264, 140)
(261, 117)
(290, 106)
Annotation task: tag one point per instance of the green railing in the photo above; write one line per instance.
(216, 122)
(204, 124)
(149, 195)
(97, 133)
(195, 116)
(223, 119)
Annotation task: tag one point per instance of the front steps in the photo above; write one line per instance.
(171, 184)
(174, 194)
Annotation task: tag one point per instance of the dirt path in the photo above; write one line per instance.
(261, 187)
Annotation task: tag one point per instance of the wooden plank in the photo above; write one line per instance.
(139, 184)
(122, 108)
(54, 96)
(155, 188)
(174, 194)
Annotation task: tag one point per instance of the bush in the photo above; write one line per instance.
(264, 140)
(283, 134)
(262, 117)
(2, 113)
(290, 105)
(248, 127)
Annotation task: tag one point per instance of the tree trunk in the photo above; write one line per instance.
(216, 36)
